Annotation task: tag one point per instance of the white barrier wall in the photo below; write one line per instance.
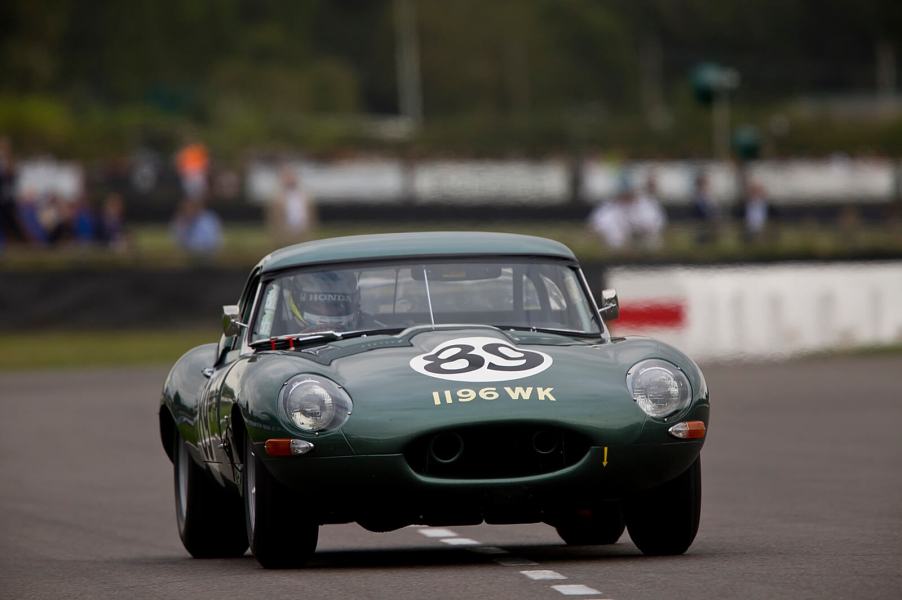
(786, 181)
(472, 182)
(537, 182)
(546, 182)
(341, 181)
(45, 177)
(762, 311)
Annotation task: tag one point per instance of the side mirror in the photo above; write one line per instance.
(231, 325)
(610, 306)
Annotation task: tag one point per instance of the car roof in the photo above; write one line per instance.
(410, 245)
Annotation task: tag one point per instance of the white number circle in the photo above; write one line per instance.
(480, 359)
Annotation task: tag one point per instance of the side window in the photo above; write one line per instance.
(269, 304)
(247, 302)
(530, 295)
(245, 306)
(579, 311)
(555, 297)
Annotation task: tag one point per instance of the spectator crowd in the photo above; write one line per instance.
(35, 215)
(635, 218)
(47, 218)
(632, 218)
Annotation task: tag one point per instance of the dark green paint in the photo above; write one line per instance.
(393, 405)
(410, 245)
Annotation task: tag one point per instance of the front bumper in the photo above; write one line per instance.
(384, 489)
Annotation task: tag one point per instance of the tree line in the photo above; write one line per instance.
(94, 75)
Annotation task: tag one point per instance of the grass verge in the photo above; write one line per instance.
(69, 350)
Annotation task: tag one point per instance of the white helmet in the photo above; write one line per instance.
(324, 300)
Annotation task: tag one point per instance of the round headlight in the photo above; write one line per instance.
(658, 387)
(314, 403)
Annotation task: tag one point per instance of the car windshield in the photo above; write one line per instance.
(529, 294)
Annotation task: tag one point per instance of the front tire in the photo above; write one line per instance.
(279, 534)
(664, 520)
(209, 516)
(604, 526)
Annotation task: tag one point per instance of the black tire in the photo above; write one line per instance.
(604, 526)
(280, 537)
(664, 520)
(209, 516)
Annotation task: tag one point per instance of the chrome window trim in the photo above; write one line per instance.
(605, 333)
(245, 336)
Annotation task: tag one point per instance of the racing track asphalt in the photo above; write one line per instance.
(802, 499)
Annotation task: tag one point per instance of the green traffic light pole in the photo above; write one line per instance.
(713, 84)
(720, 125)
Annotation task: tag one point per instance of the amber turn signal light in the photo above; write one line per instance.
(287, 447)
(688, 430)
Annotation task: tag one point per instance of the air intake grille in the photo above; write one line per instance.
(494, 451)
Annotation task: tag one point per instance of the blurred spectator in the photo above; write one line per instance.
(292, 215)
(704, 208)
(28, 214)
(82, 221)
(111, 225)
(196, 228)
(9, 219)
(53, 218)
(702, 203)
(756, 210)
(192, 163)
(630, 217)
(67, 221)
(653, 218)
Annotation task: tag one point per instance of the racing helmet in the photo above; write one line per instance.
(323, 300)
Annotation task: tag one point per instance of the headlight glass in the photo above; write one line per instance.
(658, 387)
(314, 403)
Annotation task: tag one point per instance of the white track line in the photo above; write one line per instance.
(539, 574)
(575, 590)
(432, 532)
(459, 541)
(451, 538)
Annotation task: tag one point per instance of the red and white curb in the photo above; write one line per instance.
(505, 559)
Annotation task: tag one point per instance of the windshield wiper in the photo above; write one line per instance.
(296, 340)
(570, 332)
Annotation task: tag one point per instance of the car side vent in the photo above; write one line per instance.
(495, 451)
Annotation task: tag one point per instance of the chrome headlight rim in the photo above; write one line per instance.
(338, 411)
(681, 403)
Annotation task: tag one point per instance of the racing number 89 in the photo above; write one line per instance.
(527, 359)
(437, 361)
(444, 361)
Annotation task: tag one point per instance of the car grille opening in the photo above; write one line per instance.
(495, 451)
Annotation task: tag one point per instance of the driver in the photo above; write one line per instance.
(323, 301)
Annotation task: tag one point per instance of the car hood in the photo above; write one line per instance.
(570, 382)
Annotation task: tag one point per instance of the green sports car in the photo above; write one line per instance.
(429, 378)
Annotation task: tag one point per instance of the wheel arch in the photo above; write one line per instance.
(239, 432)
(167, 431)
(181, 393)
